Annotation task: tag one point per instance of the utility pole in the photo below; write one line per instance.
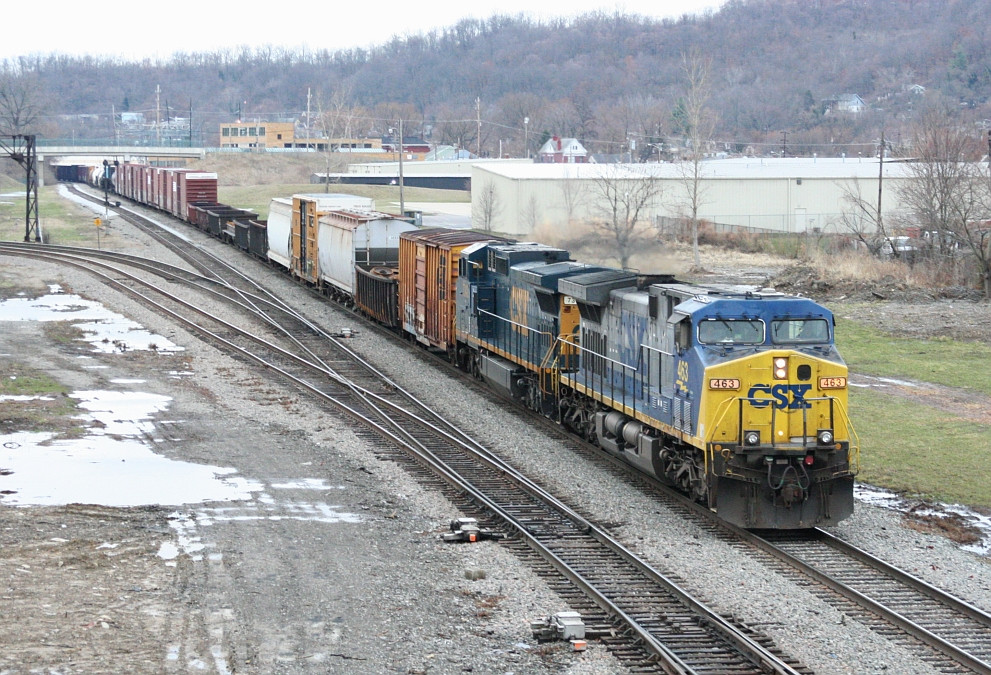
(307, 118)
(478, 120)
(402, 204)
(880, 183)
(526, 136)
(784, 143)
(158, 114)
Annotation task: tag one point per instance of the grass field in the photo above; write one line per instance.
(942, 361)
(62, 221)
(915, 448)
(258, 197)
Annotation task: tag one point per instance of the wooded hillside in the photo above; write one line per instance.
(606, 79)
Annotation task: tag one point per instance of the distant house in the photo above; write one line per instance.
(917, 89)
(562, 151)
(845, 103)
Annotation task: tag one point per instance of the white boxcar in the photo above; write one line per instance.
(279, 230)
(348, 237)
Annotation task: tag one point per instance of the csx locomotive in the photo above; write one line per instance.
(737, 397)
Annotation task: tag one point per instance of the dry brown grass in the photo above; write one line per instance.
(239, 168)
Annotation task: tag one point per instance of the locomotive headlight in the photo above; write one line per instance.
(825, 437)
(751, 438)
(780, 368)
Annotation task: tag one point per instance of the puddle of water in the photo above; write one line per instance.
(107, 331)
(111, 465)
(876, 496)
(107, 471)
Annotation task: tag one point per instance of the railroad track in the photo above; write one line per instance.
(646, 618)
(946, 632)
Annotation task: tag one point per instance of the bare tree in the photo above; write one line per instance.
(456, 126)
(698, 124)
(530, 216)
(486, 207)
(949, 194)
(573, 194)
(335, 120)
(861, 217)
(621, 195)
(20, 101)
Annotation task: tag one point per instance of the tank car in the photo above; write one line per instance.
(737, 397)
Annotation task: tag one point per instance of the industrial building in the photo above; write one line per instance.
(761, 194)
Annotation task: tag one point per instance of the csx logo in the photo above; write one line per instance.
(783, 396)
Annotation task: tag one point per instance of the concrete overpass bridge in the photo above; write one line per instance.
(50, 156)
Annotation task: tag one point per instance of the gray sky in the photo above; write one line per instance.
(159, 29)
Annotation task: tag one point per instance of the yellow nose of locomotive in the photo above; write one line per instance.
(781, 400)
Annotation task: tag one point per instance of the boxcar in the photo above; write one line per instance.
(428, 282)
(192, 187)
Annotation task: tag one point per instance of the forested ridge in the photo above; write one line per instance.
(605, 78)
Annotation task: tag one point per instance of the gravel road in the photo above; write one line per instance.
(333, 563)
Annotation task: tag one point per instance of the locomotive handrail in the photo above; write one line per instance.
(524, 328)
(606, 377)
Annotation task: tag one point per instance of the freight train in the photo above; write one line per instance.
(738, 397)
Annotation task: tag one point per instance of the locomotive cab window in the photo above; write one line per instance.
(799, 331)
(683, 335)
(731, 331)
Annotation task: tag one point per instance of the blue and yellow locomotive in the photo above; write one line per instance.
(737, 397)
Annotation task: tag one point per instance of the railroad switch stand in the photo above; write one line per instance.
(561, 626)
(467, 530)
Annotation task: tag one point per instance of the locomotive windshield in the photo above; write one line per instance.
(799, 331)
(731, 331)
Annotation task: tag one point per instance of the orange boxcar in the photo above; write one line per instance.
(428, 274)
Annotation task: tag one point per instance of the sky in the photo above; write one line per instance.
(149, 30)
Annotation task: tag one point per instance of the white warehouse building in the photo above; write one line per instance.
(784, 195)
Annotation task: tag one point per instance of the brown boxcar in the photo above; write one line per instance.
(193, 187)
(428, 274)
